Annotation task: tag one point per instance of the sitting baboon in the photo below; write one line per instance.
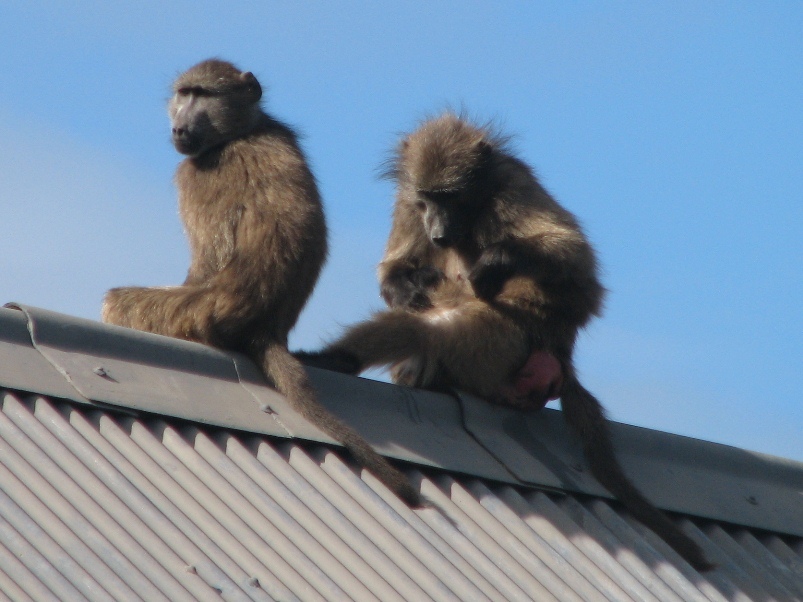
(489, 280)
(257, 235)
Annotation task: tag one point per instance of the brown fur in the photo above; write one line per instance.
(257, 235)
(483, 267)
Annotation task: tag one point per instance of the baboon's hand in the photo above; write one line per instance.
(494, 266)
(410, 287)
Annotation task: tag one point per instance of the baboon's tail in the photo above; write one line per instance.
(585, 416)
(290, 378)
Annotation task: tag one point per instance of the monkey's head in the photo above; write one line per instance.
(443, 170)
(213, 102)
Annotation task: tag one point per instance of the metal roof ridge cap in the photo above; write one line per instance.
(128, 370)
(691, 448)
(31, 324)
(57, 382)
(54, 329)
(550, 459)
(418, 426)
(252, 381)
(678, 473)
(688, 449)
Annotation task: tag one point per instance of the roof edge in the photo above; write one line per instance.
(88, 362)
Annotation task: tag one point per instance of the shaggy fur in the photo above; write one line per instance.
(483, 269)
(257, 235)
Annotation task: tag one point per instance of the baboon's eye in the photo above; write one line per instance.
(194, 90)
(420, 205)
(441, 197)
(444, 196)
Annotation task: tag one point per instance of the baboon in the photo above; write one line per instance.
(257, 236)
(488, 280)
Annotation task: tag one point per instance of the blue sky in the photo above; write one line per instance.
(672, 129)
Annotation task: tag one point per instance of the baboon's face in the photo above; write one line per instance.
(202, 119)
(193, 129)
(212, 108)
(441, 168)
(446, 215)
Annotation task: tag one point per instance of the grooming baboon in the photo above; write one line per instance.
(485, 274)
(257, 237)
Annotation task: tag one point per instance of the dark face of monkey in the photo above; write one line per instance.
(445, 218)
(443, 169)
(205, 115)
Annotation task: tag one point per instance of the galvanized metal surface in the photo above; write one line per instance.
(99, 505)
(680, 474)
(22, 367)
(141, 371)
(61, 356)
(127, 368)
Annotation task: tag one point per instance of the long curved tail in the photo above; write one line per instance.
(585, 416)
(290, 378)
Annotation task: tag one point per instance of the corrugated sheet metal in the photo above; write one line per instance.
(99, 505)
(106, 366)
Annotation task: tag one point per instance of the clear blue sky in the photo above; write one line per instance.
(674, 130)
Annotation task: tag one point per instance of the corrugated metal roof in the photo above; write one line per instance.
(52, 354)
(98, 505)
(163, 477)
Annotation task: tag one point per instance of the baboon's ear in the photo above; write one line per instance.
(484, 148)
(482, 152)
(252, 85)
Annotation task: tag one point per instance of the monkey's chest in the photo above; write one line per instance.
(456, 288)
(457, 268)
(211, 224)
